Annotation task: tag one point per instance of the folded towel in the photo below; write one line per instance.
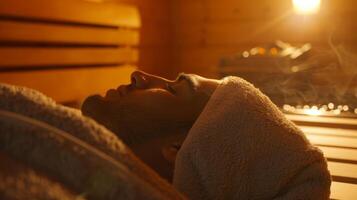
(21, 182)
(69, 149)
(243, 147)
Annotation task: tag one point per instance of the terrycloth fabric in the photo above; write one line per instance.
(76, 167)
(242, 147)
(21, 182)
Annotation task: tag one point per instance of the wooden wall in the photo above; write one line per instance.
(155, 35)
(205, 30)
(192, 35)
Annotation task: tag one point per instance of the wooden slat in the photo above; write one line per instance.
(343, 191)
(261, 32)
(79, 11)
(12, 31)
(342, 169)
(340, 153)
(71, 84)
(329, 131)
(20, 57)
(336, 122)
(189, 10)
(333, 141)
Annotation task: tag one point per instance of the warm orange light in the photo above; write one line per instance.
(313, 111)
(306, 6)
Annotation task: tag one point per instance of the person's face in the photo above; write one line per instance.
(151, 110)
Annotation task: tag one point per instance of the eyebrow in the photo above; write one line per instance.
(189, 78)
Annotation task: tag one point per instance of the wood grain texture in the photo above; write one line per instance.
(19, 32)
(67, 49)
(72, 84)
(79, 11)
(293, 30)
(32, 56)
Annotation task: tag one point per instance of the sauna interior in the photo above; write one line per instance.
(301, 53)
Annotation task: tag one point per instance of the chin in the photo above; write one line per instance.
(94, 106)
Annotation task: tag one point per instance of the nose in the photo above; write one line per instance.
(143, 80)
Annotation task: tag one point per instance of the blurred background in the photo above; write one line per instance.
(193, 35)
(299, 52)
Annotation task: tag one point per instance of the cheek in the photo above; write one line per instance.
(167, 107)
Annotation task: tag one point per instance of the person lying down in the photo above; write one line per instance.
(213, 139)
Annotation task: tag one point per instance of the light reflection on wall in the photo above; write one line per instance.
(306, 6)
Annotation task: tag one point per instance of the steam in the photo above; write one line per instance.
(347, 64)
(326, 75)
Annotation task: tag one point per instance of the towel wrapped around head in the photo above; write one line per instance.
(243, 147)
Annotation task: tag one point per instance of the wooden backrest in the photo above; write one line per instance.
(67, 49)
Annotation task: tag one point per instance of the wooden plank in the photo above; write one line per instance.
(156, 60)
(188, 10)
(329, 131)
(21, 57)
(343, 191)
(154, 10)
(335, 122)
(333, 141)
(340, 153)
(155, 34)
(14, 31)
(78, 11)
(261, 32)
(343, 170)
(72, 84)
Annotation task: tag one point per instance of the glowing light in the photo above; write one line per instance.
(286, 107)
(295, 68)
(324, 107)
(339, 107)
(261, 51)
(274, 51)
(331, 106)
(254, 51)
(345, 108)
(315, 110)
(336, 112)
(245, 54)
(306, 6)
(312, 111)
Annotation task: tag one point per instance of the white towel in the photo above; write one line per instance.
(243, 147)
(64, 160)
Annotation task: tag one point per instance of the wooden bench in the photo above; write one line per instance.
(67, 49)
(337, 138)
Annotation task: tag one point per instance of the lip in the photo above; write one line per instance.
(121, 91)
(112, 94)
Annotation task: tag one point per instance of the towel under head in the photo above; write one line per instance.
(243, 147)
